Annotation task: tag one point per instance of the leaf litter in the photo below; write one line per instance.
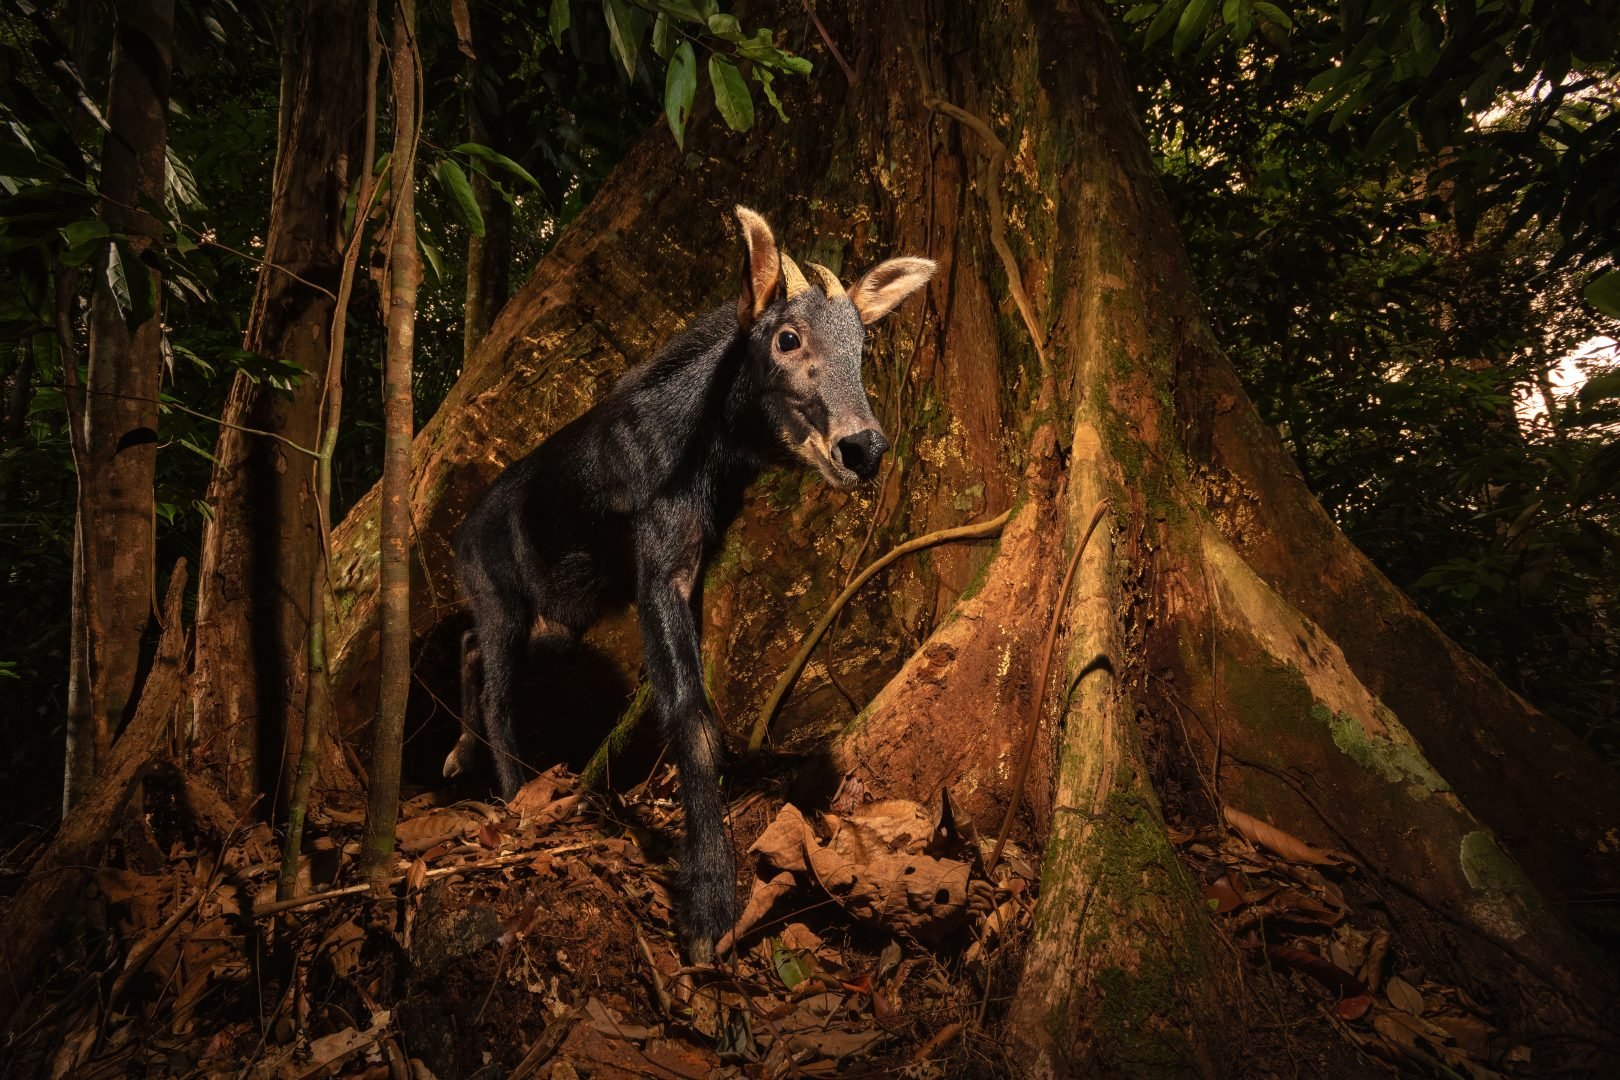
(535, 939)
(1282, 902)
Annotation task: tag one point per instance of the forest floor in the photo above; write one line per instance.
(537, 940)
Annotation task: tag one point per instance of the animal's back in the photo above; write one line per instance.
(554, 528)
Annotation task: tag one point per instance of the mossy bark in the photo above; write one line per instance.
(261, 540)
(1060, 356)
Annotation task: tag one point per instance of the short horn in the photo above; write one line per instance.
(829, 281)
(793, 278)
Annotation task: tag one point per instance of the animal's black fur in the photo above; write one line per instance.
(628, 502)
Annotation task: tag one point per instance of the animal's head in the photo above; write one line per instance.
(807, 339)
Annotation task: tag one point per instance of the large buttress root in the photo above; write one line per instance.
(1223, 590)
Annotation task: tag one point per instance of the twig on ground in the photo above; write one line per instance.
(511, 858)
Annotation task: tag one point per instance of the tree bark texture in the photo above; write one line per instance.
(404, 274)
(57, 880)
(261, 546)
(489, 257)
(115, 532)
(1222, 637)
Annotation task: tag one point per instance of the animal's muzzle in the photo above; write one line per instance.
(863, 451)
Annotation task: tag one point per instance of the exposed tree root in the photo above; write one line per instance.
(767, 711)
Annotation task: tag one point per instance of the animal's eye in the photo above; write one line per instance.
(787, 341)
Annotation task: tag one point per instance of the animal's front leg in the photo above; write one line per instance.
(668, 556)
(461, 758)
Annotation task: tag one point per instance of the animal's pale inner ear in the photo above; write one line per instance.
(762, 266)
(886, 284)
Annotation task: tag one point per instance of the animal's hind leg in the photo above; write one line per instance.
(461, 758)
(503, 644)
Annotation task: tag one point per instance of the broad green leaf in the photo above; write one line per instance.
(790, 966)
(626, 25)
(84, 232)
(663, 39)
(765, 77)
(1162, 22)
(179, 185)
(435, 260)
(1243, 26)
(561, 19)
(1603, 293)
(462, 199)
(731, 94)
(1273, 14)
(1599, 387)
(1326, 80)
(499, 160)
(683, 10)
(796, 65)
(680, 87)
(1140, 12)
(725, 26)
(133, 287)
(1191, 26)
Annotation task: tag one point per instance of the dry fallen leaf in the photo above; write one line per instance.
(1281, 843)
(1322, 970)
(1353, 1008)
(1403, 995)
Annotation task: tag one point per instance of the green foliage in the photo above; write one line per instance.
(731, 94)
(1398, 276)
(1510, 108)
(680, 89)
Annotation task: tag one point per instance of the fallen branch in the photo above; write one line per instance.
(767, 711)
(275, 907)
(58, 879)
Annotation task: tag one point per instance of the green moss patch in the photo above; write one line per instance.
(1393, 761)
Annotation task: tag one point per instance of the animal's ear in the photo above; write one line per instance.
(762, 267)
(888, 283)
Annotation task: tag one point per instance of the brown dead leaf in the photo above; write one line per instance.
(614, 1026)
(1223, 896)
(1319, 968)
(539, 793)
(764, 897)
(835, 1044)
(434, 826)
(1288, 905)
(897, 824)
(1281, 843)
(341, 947)
(1404, 996)
(416, 875)
(1372, 968)
(1353, 1008)
(781, 845)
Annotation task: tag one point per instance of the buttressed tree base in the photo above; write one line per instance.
(1225, 643)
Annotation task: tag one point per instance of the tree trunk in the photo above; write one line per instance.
(19, 392)
(489, 257)
(1221, 628)
(261, 546)
(404, 273)
(115, 534)
(58, 880)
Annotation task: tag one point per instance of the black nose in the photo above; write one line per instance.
(863, 451)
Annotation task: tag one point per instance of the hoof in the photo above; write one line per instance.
(455, 764)
(700, 951)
